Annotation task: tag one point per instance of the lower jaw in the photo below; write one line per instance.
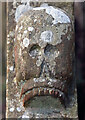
(42, 92)
(44, 103)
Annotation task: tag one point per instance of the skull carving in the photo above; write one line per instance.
(44, 50)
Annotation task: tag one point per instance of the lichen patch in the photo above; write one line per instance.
(11, 68)
(11, 109)
(47, 36)
(58, 15)
(25, 42)
(30, 29)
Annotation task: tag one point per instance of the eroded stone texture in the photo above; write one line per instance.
(43, 55)
(44, 50)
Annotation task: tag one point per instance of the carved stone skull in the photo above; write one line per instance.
(44, 50)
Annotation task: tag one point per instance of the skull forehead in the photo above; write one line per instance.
(38, 27)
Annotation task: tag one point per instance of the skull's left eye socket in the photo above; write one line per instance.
(34, 51)
(49, 50)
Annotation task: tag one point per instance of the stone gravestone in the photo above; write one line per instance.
(40, 60)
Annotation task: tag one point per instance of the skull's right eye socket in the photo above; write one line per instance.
(34, 51)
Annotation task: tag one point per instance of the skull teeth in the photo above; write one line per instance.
(45, 91)
(46, 87)
(41, 91)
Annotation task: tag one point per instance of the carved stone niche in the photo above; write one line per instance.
(44, 57)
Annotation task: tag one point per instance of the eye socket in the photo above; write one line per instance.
(34, 50)
(49, 49)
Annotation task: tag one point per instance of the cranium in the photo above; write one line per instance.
(44, 49)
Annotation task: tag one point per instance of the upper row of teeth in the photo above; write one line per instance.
(55, 91)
